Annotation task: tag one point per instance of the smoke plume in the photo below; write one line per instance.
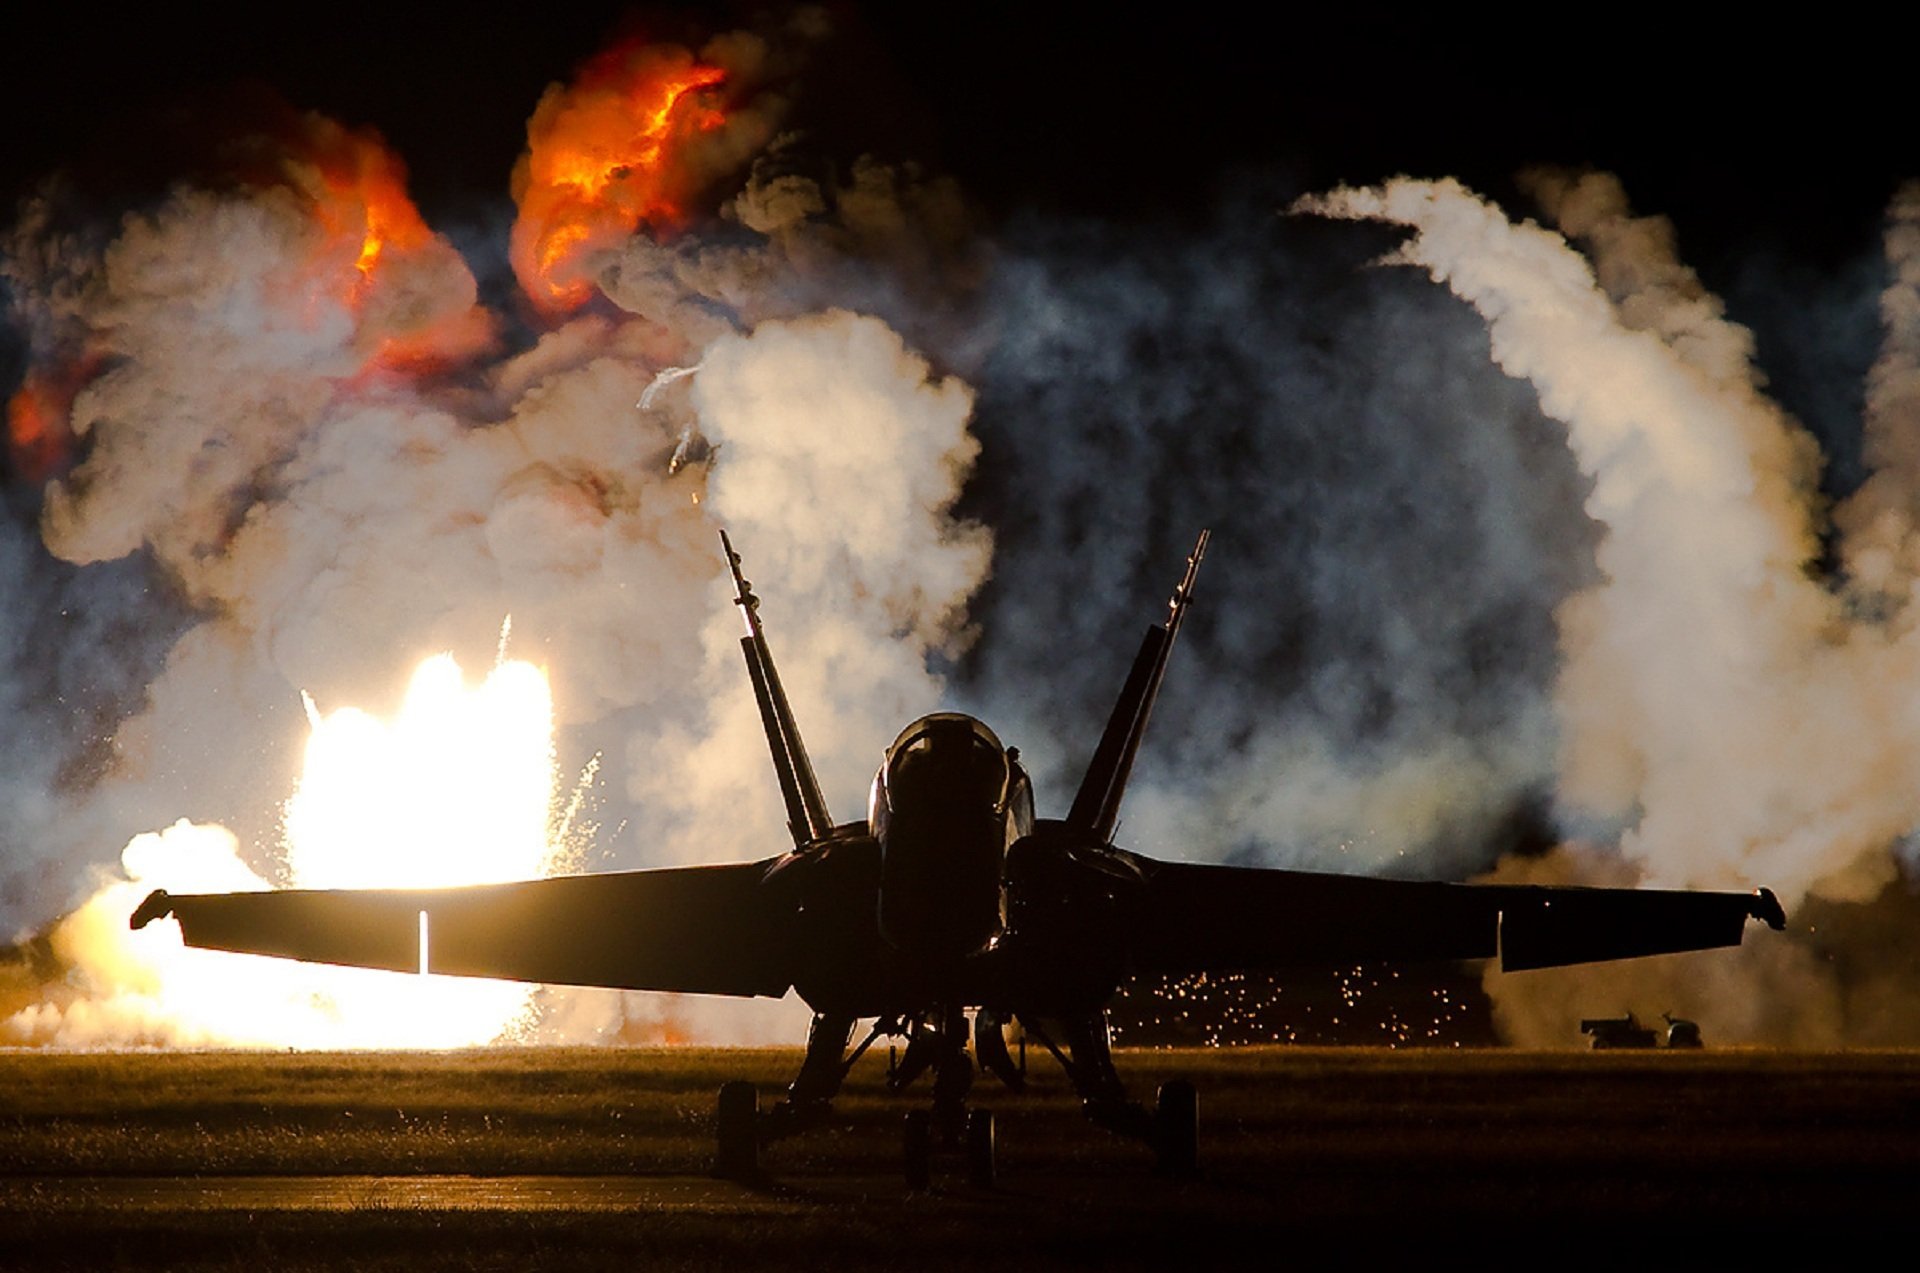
(1721, 708)
(294, 426)
(1518, 568)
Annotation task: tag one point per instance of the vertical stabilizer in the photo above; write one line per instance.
(1096, 807)
(807, 816)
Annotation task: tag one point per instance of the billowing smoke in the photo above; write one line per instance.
(1878, 522)
(1726, 717)
(298, 426)
(1522, 573)
(1365, 683)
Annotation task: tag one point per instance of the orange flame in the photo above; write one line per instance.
(372, 236)
(359, 193)
(604, 156)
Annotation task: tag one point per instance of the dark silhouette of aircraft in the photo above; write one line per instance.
(951, 910)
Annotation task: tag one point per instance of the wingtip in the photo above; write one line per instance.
(157, 906)
(1766, 908)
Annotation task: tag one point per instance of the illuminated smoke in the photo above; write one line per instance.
(1879, 520)
(300, 427)
(640, 134)
(1706, 637)
(457, 789)
(840, 461)
(1718, 704)
(291, 457)
(598, 165)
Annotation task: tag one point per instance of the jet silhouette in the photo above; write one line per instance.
(951, 911)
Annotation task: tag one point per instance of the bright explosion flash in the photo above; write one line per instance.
(458, 788)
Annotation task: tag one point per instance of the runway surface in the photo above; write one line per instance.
(255, 1194)
(590, 1159)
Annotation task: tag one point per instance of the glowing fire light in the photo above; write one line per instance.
(359, 193)
(375, 251)
(39, 434)
(458, 788)
(601, 160)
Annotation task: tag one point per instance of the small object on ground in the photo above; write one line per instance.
(1617, 1032)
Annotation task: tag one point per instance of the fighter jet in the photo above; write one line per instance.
(950, 911)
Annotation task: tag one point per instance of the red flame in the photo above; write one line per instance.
(39, 429)
(604, 156)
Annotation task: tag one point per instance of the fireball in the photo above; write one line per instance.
(605, 156)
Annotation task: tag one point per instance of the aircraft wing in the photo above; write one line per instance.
(1193, 918)
(698, 929)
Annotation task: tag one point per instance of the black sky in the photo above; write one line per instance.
(1773, 149)
(1789, 137)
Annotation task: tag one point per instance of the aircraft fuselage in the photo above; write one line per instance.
(916, 908)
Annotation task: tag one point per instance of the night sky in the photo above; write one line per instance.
(1775, 136)
(1774, 151)
(1089, 137)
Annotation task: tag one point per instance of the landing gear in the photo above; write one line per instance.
(917, 1149)
(1170, 1129)
(990, 1046)
(740, 1126)
(739, 1133)
(919, 1143)
(1176, 1129)
(980, 1168)
(939, 1043)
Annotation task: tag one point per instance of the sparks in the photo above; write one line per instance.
(457, 788)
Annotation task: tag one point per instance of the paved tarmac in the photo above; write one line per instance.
(103, 1165)
(625, 1194)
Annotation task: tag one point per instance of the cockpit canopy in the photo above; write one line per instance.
(947, 760)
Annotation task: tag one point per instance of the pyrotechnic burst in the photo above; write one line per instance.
(284, 406)
(458, 788)
(605, 156)
(1586, 605)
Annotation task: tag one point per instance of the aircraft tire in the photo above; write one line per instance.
(738, 1112)
(917, 1149)
(1176, 1128)
(980, 1166)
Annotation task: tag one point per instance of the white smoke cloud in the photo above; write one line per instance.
(839, 460)
(1407, 630)
(1878, 521)
(1706, 694)
(335, 519)
(1717, 701)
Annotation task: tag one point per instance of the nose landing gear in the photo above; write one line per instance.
(940, 1043)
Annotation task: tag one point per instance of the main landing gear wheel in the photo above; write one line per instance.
(917, 1149)
(1176, 1129)
(738, 1115)
(980, 1148)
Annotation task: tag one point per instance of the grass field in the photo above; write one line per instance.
(1357, 1144)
